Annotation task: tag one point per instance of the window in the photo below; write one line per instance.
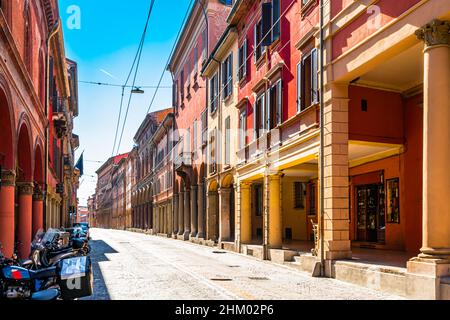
(299, 195)
(275, 106)
(195, 133)
(182, 85)
(204, 39)
(195, 60)
(227, 76)
(270, 22)
(259, 122)
(188, 76)
(243, 129)
(393, 201)
(258, 48)
(307, 81)
(214, 93)
(242, 61)
(227, 140)
(175, 94)
(212, 151)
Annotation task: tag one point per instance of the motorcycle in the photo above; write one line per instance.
(49, 248)
(70, 279)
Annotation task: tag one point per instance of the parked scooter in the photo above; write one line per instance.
(70, 279)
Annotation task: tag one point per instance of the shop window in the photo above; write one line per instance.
(299, 195)
(288, 234)
(393, 201)
(259, 234)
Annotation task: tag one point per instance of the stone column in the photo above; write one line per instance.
(245, 213)
(157, 219)
(211, 216)
(7, 188)
(170, 219)
(201, 214)
(275, 239)
(194, 211)
(336, 219)
(187, 214)
(25, 218)
(425, 271)
(175, 214)
(181, 213)
(224, 214)
(38, 210)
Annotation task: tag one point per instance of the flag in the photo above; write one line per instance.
(80, 165)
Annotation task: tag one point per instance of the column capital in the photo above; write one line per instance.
(26, 188)
(38, 194)
(435, 33)
(8, 178)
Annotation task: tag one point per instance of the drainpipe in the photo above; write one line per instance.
(322, 144)
(52, 33)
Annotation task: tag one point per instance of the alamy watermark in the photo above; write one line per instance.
(73, 21)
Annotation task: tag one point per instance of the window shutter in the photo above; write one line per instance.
(299, 86)
(279, 102)
(230, 74)
(255, 110)
(276, 9)
(255, 43)
(266, 24)
(314, 77)
(244, 62)
(267, 107)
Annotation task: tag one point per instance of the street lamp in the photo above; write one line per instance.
(137, 90)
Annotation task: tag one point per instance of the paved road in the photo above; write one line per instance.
(135, 266)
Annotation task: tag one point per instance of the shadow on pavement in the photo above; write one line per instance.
(99, 249)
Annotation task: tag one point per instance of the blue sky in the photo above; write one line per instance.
(104, 48)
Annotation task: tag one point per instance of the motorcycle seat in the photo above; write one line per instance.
(46, 295)
(44, 273)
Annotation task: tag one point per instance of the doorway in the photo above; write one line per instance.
(370, 213)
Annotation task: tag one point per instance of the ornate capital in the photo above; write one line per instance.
(435, 33)
(38, 194)
(8, 178)
(25, 188)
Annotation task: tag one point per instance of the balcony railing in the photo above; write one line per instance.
(183, 159)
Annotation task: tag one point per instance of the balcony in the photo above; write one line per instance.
(184, 159)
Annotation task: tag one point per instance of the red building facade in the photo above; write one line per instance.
(26, 111)
(204, 27)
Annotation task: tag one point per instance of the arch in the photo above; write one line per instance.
(7, 134)
(38, 170)
(227, 181)
(24, 151)
(213, 186)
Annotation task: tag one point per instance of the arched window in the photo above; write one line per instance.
(28, 47)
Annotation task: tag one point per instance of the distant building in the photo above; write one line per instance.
(82, 214)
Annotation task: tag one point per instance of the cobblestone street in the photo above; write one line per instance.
(136, 266)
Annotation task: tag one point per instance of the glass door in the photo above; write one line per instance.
(370, 213)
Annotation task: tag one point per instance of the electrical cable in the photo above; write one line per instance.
(135, 74)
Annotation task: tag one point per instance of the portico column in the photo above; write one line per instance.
(336, 227)
(175, 214)
(245, 213)
(201, 214)
(25, 218)
(425, 271)
(181, 213)
(38, 210)
(7, 188)
(436, 140)
(274, 216)
(187, 214)
(224, 214)
(194, 211)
